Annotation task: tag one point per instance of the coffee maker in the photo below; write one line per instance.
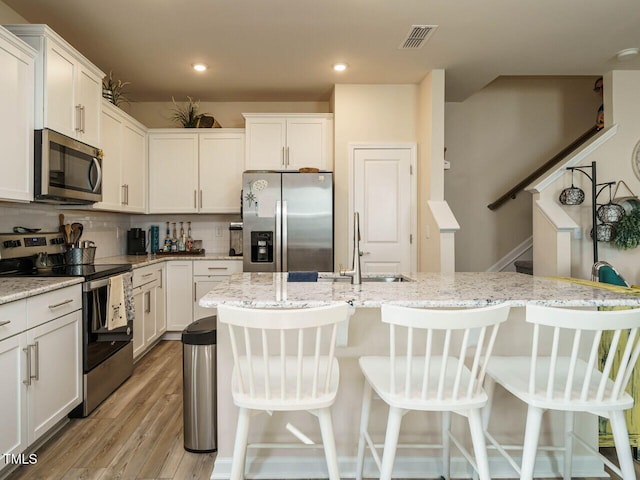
(235, 239)
(136, 242)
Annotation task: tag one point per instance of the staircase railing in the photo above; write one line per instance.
(511, 194)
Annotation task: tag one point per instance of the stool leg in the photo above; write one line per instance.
(240, 446)
(329, 442)
(621, 440)
(568, 444)
(446, 445)
(391, 442)
(531, 436)
(367, 395)
(479, 445)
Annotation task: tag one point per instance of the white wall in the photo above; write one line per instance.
(9, 15)
(227, 114)
(621, 107)
(366, 113)
(495, 139)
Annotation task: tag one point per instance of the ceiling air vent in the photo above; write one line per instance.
(417, 36)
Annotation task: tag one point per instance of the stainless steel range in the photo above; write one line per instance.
(107, 355)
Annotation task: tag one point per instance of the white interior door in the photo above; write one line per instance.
(383, 193)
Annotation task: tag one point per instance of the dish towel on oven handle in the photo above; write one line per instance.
(120, 302)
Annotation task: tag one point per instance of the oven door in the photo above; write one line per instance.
(100, 342)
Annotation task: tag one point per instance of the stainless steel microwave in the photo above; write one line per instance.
(66, 170)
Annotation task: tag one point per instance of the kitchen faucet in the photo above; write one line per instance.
(355, 273)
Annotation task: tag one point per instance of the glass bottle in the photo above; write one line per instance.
(189, 238)
(174, 239)
(167, 240)
(182, 240)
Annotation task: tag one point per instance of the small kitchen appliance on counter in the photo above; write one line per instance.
(235, 239)
(136, 242)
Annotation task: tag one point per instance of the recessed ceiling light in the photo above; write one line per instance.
(627, 54)
(199, 67)
(340, 67)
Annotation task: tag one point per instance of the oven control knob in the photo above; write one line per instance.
(128, 331)
(11, 243)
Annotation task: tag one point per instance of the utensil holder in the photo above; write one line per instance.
(80, 256)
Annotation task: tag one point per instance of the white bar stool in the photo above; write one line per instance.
(571, 382)
(431, 376)
(284, 360)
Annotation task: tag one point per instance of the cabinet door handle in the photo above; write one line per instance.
(283, 160)
(124, 195)
(287, 163)
(127, 185)
(37, 350)
(148, 301)
(147, 275)
(195, 299)
(27, 350)
(217, 268)
(200, 198)
(6, 322)
(83, 118)
(78, 118)
(195, 199)
(58, 305)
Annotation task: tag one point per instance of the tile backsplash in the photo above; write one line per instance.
(109, 230)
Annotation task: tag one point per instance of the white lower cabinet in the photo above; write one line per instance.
(206, 274)
(149, 300)
(187, 282)
(13, 395)
(55, 387)
(41, 363)
(179, 294)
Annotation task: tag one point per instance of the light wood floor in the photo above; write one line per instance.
(135, 434)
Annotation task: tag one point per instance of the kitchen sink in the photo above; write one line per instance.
(368, 279)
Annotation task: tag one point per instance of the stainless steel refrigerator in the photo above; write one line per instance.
(288, 221)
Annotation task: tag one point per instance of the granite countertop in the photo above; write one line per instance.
(464, 289)
(138, 261)
(12, 289)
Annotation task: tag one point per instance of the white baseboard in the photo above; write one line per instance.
(309, 467)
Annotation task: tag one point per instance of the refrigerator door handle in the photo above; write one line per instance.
(278, 242)
(285, 241)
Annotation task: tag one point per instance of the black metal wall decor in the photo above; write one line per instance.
(609, 213)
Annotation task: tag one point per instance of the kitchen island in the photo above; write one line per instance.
(364, 334)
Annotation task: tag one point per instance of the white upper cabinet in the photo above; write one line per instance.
(194, 171)
(173, 172)
(68, 88)
(124, 165)
(221, 163)
(16, 121)
(289, 141)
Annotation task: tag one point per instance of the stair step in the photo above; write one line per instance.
(524, 266)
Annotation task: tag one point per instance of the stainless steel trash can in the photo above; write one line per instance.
(199, 385)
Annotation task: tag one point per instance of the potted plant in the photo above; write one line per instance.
(112, 90)
(187, 115)
(627, 234)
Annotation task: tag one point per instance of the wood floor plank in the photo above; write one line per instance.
(83, 474)
(132, 456)
(160, 453)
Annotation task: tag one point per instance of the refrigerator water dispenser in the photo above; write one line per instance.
(262, 247)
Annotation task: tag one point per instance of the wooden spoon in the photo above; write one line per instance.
(67, 233)
(76, 229)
